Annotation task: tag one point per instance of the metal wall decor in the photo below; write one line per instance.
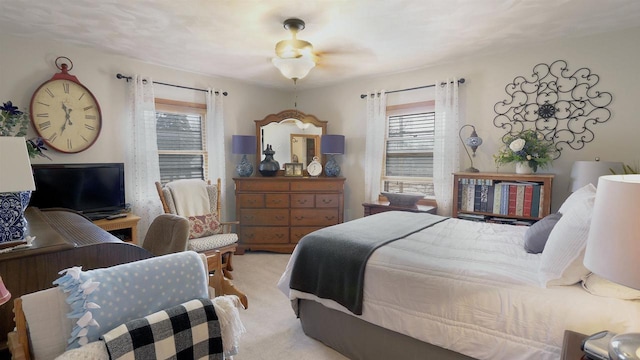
(560, 104)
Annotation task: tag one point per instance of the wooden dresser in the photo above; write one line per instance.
(276, 212)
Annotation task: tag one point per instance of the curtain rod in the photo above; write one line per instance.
(362, 96)
(127, 78)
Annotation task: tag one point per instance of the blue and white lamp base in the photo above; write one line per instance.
(12, 222)
(244, 168)
(332, 168)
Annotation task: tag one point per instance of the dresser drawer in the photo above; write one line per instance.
(277, 201)
(272, 217)
(316, 185)
(264, 234)
(327, 200)
(298, 232)
(251, 201)
(314, 217)
(302, 200)
(263, 185)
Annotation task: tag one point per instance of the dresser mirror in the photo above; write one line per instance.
(292, 134)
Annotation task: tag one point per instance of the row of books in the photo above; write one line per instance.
(519, 198)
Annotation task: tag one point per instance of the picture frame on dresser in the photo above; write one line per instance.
(293, 169)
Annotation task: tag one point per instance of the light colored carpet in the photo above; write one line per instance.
(273, 331)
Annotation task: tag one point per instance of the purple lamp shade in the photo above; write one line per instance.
(332, 144)
(243, 144)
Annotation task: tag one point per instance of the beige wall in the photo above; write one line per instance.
(614, 57)
(25, 64)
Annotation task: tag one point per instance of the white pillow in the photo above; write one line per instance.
(586, 192)
(561, 261)
(603, 287)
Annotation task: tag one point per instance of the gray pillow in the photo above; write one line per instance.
(536, 236)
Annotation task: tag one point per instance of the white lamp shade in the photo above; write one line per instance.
(15, 166)
(613, 246)
(294, 68)
(588, 172)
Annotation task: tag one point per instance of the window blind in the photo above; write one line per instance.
(180, 146)
(409, 153)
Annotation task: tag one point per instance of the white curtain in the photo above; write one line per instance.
(446, 152)
(142, 168)
(374, 146)
(215, 140)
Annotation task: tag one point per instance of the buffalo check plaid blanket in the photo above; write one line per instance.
(187, 331)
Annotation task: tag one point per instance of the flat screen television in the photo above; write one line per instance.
(96, 190)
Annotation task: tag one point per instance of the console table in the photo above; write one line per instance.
(125, 229)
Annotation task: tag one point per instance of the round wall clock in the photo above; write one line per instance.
(64, 113)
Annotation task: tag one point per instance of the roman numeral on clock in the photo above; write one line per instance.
(69, 146)
(44, 125)
(89, 127)
(90, 117)
(65, 86)
(53, 137)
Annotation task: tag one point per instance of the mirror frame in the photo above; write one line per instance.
(284, 115)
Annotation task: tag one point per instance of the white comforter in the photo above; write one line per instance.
(471, 287)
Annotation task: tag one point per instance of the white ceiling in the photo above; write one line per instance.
(355, 38)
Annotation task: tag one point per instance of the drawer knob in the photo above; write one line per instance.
(248, 217)
(329, 217)
(279, 236)
(303, 201)
(299, 217)
(279, 217)
(277, 201)
(327, 201)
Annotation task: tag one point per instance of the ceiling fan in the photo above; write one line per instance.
(294, 57)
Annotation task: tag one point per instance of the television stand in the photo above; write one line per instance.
(125, 229)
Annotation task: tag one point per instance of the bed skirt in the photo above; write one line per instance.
(358, 339)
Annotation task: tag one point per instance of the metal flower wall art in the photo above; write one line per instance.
(562, 105)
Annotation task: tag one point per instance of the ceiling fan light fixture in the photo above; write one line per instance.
(294, 68)
(294, 57)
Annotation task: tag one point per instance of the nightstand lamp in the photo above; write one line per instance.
(613, 246)
(588, 172)
(16, 184)
(332, 145)
(473, 142)
(244, 144)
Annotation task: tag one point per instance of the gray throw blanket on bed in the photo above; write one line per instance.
(330, 262)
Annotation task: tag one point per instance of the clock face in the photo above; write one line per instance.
(314, 168)
(66, 115)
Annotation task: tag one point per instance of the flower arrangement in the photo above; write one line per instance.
(14, 122)
(528, 146)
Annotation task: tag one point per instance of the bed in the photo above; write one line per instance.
(458, 289)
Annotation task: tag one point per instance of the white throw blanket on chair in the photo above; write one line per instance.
(190, 197)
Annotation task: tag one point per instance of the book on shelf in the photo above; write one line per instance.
(513, 198)
(519, 200)
(535, 201)
(497, 197)
(470, 197)
(472, 217)
(477, 198)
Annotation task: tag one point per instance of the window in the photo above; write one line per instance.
(408, 160)
(182, 150)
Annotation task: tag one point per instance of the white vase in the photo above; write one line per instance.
(523, 167)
